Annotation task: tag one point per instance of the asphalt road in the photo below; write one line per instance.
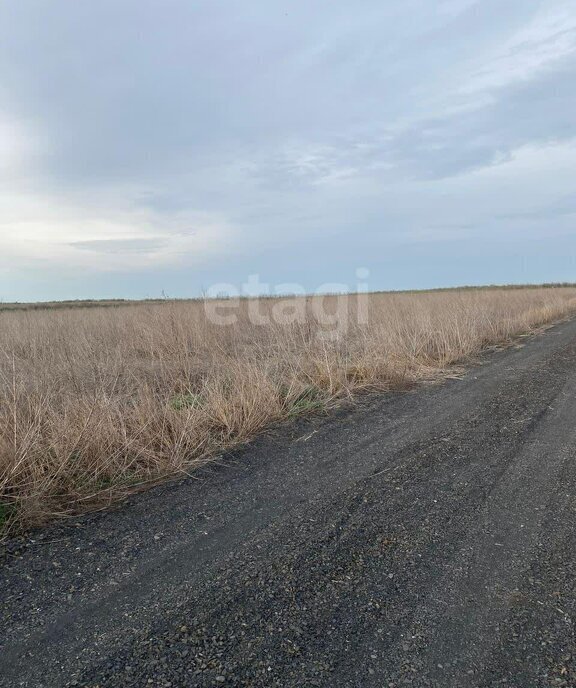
(418, 539)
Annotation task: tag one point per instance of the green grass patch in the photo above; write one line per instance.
(7, 511)
(309, 400)
(181, 402)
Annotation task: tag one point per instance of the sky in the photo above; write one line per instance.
(163, 147)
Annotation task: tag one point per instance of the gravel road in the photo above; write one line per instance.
(419, 539)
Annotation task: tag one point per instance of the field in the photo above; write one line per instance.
(97, 402)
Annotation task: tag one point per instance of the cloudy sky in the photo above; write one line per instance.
(151, 146)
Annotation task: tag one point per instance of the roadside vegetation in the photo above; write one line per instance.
(98, 402)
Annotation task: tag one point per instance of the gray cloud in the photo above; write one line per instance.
(120, 245)
(128, 88)
(536, 112)
(561, 207)
(276, 127)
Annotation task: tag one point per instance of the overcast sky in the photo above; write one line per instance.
(165, 145)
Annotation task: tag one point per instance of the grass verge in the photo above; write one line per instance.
(96, 403)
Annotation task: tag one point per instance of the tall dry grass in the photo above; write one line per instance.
(94, 403)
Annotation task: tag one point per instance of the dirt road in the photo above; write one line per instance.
(419, 539)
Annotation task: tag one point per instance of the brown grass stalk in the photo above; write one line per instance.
(98, 402)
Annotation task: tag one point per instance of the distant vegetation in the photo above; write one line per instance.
(111, 303)
(97, 401)
(80, 303)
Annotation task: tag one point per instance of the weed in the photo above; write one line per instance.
(308, 401)
(7, 513)
(88, 408)
(186, 401)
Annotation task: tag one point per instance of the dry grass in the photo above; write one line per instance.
(98, 402)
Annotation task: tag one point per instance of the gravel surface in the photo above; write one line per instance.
(417, 539)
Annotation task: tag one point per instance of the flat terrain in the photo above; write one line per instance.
(421, 539)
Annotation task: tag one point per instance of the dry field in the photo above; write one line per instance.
(101, 401)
